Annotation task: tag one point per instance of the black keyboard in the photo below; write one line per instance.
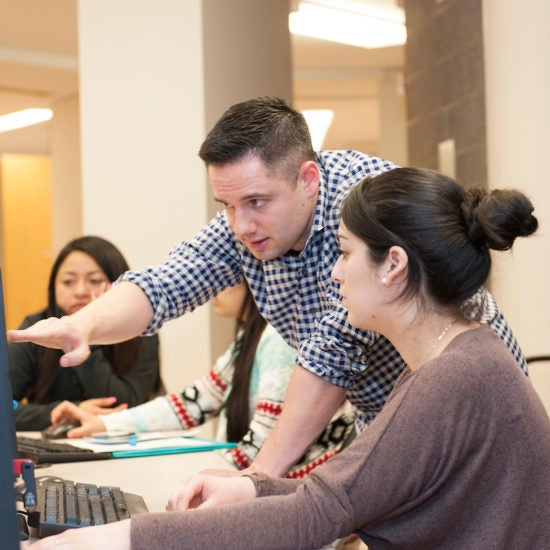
(46, 451)
(65, 504)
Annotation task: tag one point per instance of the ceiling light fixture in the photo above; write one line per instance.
(26, 117)
(349, 26)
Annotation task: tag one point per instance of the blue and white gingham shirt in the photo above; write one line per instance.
(296, 293)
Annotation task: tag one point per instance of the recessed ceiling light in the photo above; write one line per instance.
(377, 30)
(26, 117)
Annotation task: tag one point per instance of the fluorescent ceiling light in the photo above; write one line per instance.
(318, 121)
(26, 117)
(349, 27)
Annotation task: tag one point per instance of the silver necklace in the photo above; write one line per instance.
(405, 372)
(441, 336)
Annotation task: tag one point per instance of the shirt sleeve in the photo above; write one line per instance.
(336, 350)
(194, 273)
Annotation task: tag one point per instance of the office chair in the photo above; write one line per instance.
(534, 358)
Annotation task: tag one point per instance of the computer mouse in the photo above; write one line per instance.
(57, 431)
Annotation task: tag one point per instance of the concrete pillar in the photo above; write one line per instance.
(154, 76)
(516, 44)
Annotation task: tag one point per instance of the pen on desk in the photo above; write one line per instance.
(106, 436)
(115, 438)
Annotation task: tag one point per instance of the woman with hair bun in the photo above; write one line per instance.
(458, 458)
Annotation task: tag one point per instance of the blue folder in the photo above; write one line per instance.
(202, 445)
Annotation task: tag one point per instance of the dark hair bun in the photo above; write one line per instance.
(496, 218)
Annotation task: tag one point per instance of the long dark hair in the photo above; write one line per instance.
(123, 355)
(249, 327)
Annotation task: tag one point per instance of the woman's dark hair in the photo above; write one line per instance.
(248, 331)
(445, 229)
(265, 127)
(123, 355)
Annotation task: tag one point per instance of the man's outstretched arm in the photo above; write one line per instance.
(120, 314)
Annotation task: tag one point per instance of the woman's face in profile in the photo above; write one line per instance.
(79, 281)
(361, 289)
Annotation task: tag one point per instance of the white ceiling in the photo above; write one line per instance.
(39, 64)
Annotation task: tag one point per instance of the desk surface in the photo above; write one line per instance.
(155, 478)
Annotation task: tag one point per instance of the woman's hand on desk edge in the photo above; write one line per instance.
(67, 412)
(205, 491)
(114, 535)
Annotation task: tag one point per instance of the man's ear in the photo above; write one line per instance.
(309, 177)
(397, 262)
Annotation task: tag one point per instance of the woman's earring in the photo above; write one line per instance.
(384, 280)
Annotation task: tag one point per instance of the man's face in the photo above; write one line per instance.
(269, 214)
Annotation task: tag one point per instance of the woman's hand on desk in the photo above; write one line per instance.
(67, 412)
(204, 491)
(114, 535)
(101, 405)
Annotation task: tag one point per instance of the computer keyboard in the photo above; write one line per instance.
(65, 504)
(46, 451)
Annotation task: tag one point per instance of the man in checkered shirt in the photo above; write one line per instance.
(278, 229)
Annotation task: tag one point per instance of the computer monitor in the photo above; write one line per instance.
(9, 524)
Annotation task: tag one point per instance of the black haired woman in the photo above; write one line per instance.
(124, 374)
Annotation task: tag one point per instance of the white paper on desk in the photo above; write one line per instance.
(145, 440)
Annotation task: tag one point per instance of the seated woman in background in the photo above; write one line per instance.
(125, 374)
(246, 388)
(459, 457)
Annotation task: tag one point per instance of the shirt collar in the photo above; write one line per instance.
(319, 220)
